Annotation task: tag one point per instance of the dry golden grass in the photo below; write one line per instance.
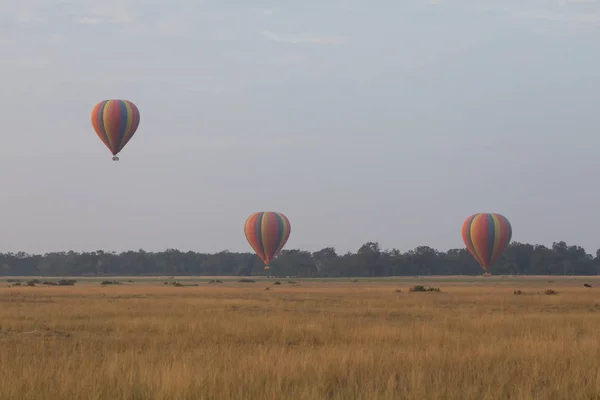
(311, 341)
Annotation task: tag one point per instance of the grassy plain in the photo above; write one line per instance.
(317, 339)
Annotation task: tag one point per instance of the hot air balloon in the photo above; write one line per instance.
(486, 237)
(115, 122)
(267, 233)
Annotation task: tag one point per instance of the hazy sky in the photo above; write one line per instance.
(387, 122)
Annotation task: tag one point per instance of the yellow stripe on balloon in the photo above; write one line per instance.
(497, 236)
(264, 237)
(286, 226)
(475, 238)
(106, 122)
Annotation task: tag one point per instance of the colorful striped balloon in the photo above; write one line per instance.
(486, 237)
(115, 122)
(267, 233)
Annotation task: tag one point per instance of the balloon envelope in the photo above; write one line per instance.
(115, 122)
(486, 237)
(267, 233)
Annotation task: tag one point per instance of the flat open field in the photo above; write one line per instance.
(316, 339)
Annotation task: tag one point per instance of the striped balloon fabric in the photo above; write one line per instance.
(267, 233)
(115, 122)
(486, 237)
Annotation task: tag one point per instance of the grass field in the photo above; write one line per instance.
(317, 339)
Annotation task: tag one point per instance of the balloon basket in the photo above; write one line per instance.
(115, 158)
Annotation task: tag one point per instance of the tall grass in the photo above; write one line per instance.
(310, 341)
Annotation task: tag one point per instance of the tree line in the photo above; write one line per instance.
(369, 261)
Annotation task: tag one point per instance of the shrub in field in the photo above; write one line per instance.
(173, 283)
(517, 292)
(110, 283)
(421, 288)
(246, 280)
(550, 292)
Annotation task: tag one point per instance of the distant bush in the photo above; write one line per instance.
(517, 292)
(33, 282)
(421, 288)
(110, 283)
(550, 292)
(276, 283)
(175, 283)
(292, 282)
(215, 281)
(246, 280)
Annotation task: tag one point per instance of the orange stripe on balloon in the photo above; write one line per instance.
(251, 235)
(478, 239)
(466, 234)
(97, 125)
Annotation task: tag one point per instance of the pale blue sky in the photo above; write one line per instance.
(387, 121)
